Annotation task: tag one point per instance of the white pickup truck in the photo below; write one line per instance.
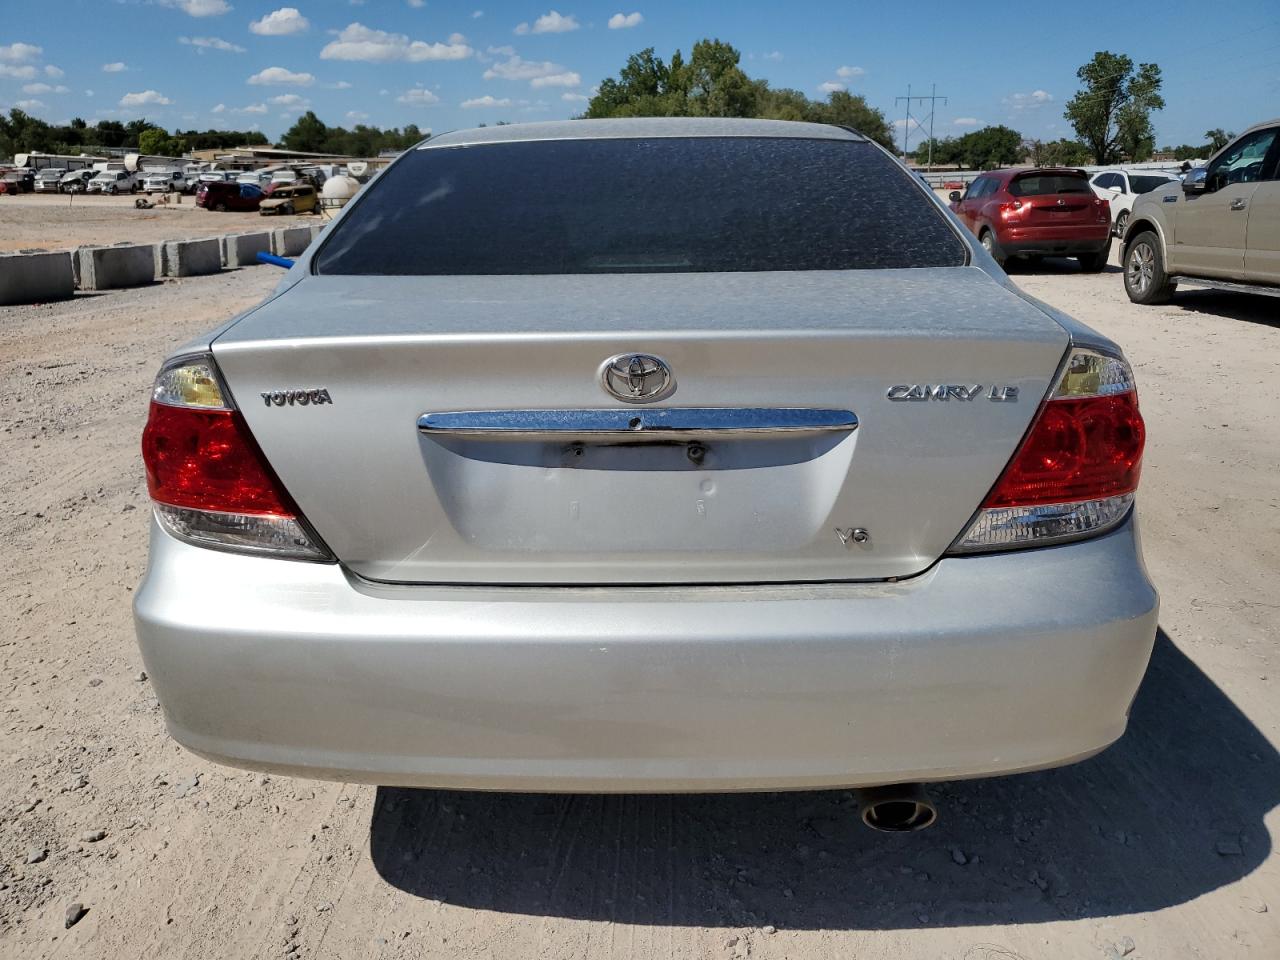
(47, 180)
(113, 181)
(165, 181)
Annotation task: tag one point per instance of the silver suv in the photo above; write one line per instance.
(1220, 227)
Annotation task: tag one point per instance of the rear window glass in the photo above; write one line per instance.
(1038, 185)
(660, 205)
(1147, 184)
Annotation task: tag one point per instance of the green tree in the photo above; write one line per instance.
(154, 141)
(712, 83)
(1064, 153)
(1218, 138)
(1112, 114)
(990, 147)
(308, 134)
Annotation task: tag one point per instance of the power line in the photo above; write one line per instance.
(933, 99)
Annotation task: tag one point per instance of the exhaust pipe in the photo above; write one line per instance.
(899, 808)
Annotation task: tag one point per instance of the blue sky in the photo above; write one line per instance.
(239, 64)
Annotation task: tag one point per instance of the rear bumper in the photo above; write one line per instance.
(1054, 241)
(983, 665)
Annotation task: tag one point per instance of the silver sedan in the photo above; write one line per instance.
(647, 455)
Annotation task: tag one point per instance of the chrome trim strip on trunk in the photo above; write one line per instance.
(662, 422)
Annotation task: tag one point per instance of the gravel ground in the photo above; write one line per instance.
(52, 221)
(1161, 847)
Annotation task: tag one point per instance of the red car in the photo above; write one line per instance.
(1039, 212)
(225, 195)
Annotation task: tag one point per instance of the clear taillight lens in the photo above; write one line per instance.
(209, 482)
(1077, 468)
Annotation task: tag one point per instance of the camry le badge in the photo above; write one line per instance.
(950, 391)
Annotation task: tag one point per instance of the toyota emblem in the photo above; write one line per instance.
(637, 378)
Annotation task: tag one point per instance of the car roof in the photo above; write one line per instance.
(639, 128)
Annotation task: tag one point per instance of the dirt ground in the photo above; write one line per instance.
(1160, 848)
(52, 221)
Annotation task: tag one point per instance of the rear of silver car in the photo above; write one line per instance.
(656, 483)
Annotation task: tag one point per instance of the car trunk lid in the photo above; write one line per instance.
(545, 500)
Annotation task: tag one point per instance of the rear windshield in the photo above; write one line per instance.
(1038, 185)
(1147, 184)
(661, 205)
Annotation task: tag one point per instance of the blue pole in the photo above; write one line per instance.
(272, 259)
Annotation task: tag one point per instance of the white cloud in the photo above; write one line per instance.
(280, 23)
(625, 21)
(915, 124)
(503, 51)
(418, 97)
(966, 121)
(52, 72)
(550, 22)
(417, 4)
(145, 98)
(457, 38)
(88, 93)
(23, 72)
(773, 55)
(20, 52)
(1017, 102)
(340, 85)
(358, 42)
(477, 14)
(514, 68)
(830, 86)
(199, 8)
(290, 100)
(116, 67)
(279, 76)
(356, 116)
(30, 104)
(43, 88)
(485, 101)
(566, 79)
(850, 73)
(211, 43)
(255, 108)
(220, 108)
(574, 97)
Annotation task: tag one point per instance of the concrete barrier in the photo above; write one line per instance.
(290, 241)
(124, 265)
(315, 229)
(36, 277)
(242, 249)
(162, 259)
(191, 258)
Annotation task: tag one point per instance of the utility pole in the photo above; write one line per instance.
(933, 99)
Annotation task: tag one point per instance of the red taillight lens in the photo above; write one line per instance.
(1011, 211)
(1075, 472)
(206, 459)
(1078, 448)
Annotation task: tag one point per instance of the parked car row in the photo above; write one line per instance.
(1218, 227)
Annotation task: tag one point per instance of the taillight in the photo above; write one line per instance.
(1011, 211)
(209, 482)
(1103, 209)
(1077, 468)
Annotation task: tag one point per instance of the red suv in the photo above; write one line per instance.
(225, 195)
(1042, 212)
